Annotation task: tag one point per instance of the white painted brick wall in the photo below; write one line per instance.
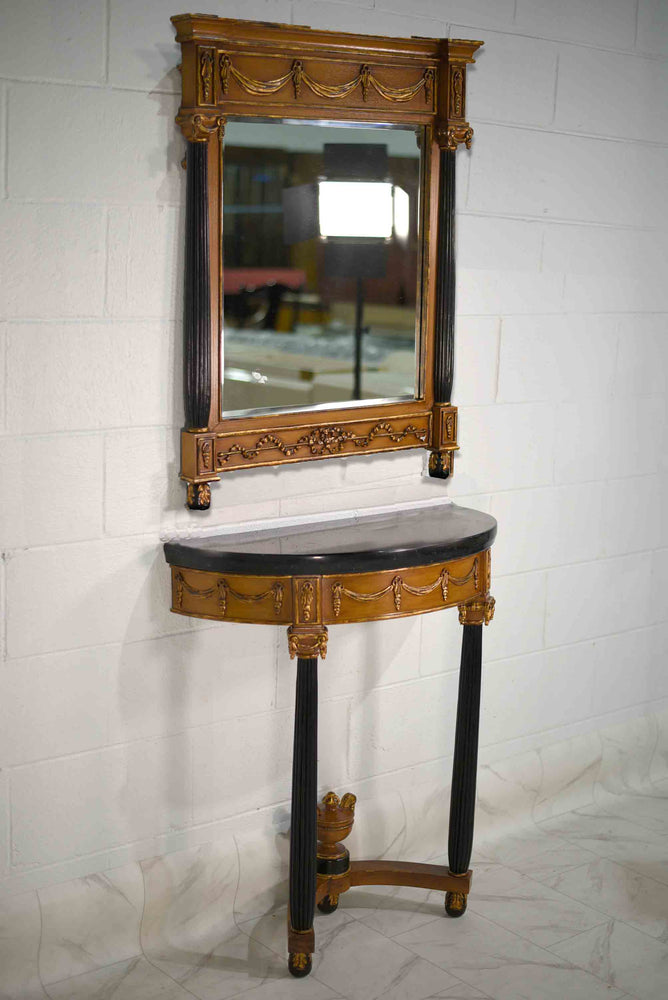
(124, 729)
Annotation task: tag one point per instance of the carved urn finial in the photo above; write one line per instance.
(335, 818)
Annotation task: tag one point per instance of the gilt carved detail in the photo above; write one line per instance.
(206, 75)
(306, 600)
(322, 441)
(478, 612)
(398, 586)
(205, 455)
(365, 79)
(441, 463)
(198, 496)
(198, 128)
(307, 641)
(224, 591)
(457, 93)
(456, 135)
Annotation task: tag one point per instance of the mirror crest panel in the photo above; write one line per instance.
(319, 264)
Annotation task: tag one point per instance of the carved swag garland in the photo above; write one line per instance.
(366, 79)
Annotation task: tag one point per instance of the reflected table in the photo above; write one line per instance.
(362, 569)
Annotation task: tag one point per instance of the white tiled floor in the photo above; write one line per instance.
(576, 906)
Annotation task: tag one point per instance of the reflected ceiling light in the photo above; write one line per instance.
(355, 209)
(363, 210)
(401, 214)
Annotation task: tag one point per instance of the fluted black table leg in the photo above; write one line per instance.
(303, 836)
(465, 762)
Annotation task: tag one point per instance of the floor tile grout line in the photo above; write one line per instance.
(141, 928)
(611, 920)
(569, 964)
(90, 972)
(648, 827)
(373, 930)
(141, 923)
(607, 917)
(606, 857)
(39, 944)
(571, 937)
(570, 899)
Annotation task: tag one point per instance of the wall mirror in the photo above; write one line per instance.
(319, 264)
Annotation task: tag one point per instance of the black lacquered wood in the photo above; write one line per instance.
(334, 866)
(303, 834)
(445, 281)
(197, 304)
(462, 798)
(395, 540)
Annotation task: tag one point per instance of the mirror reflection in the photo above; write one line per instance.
(321, 269)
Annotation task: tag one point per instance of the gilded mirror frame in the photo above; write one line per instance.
(257, 70)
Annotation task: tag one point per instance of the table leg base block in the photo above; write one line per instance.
(410, 874)
(299, 964)
(455, 903)
(301, 945)
(330, 903)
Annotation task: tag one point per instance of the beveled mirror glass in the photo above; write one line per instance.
(321, 263)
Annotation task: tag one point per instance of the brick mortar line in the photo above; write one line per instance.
(346, 698)
(462, 212)
(163, 532)
(501, 123)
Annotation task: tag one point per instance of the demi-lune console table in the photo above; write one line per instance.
(391, 565)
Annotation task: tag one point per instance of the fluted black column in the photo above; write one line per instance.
(445, 281)
(440, 463)
(465, 763)
(197, 303)
(303, 837)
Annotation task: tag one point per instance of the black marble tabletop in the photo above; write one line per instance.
(402, 538)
